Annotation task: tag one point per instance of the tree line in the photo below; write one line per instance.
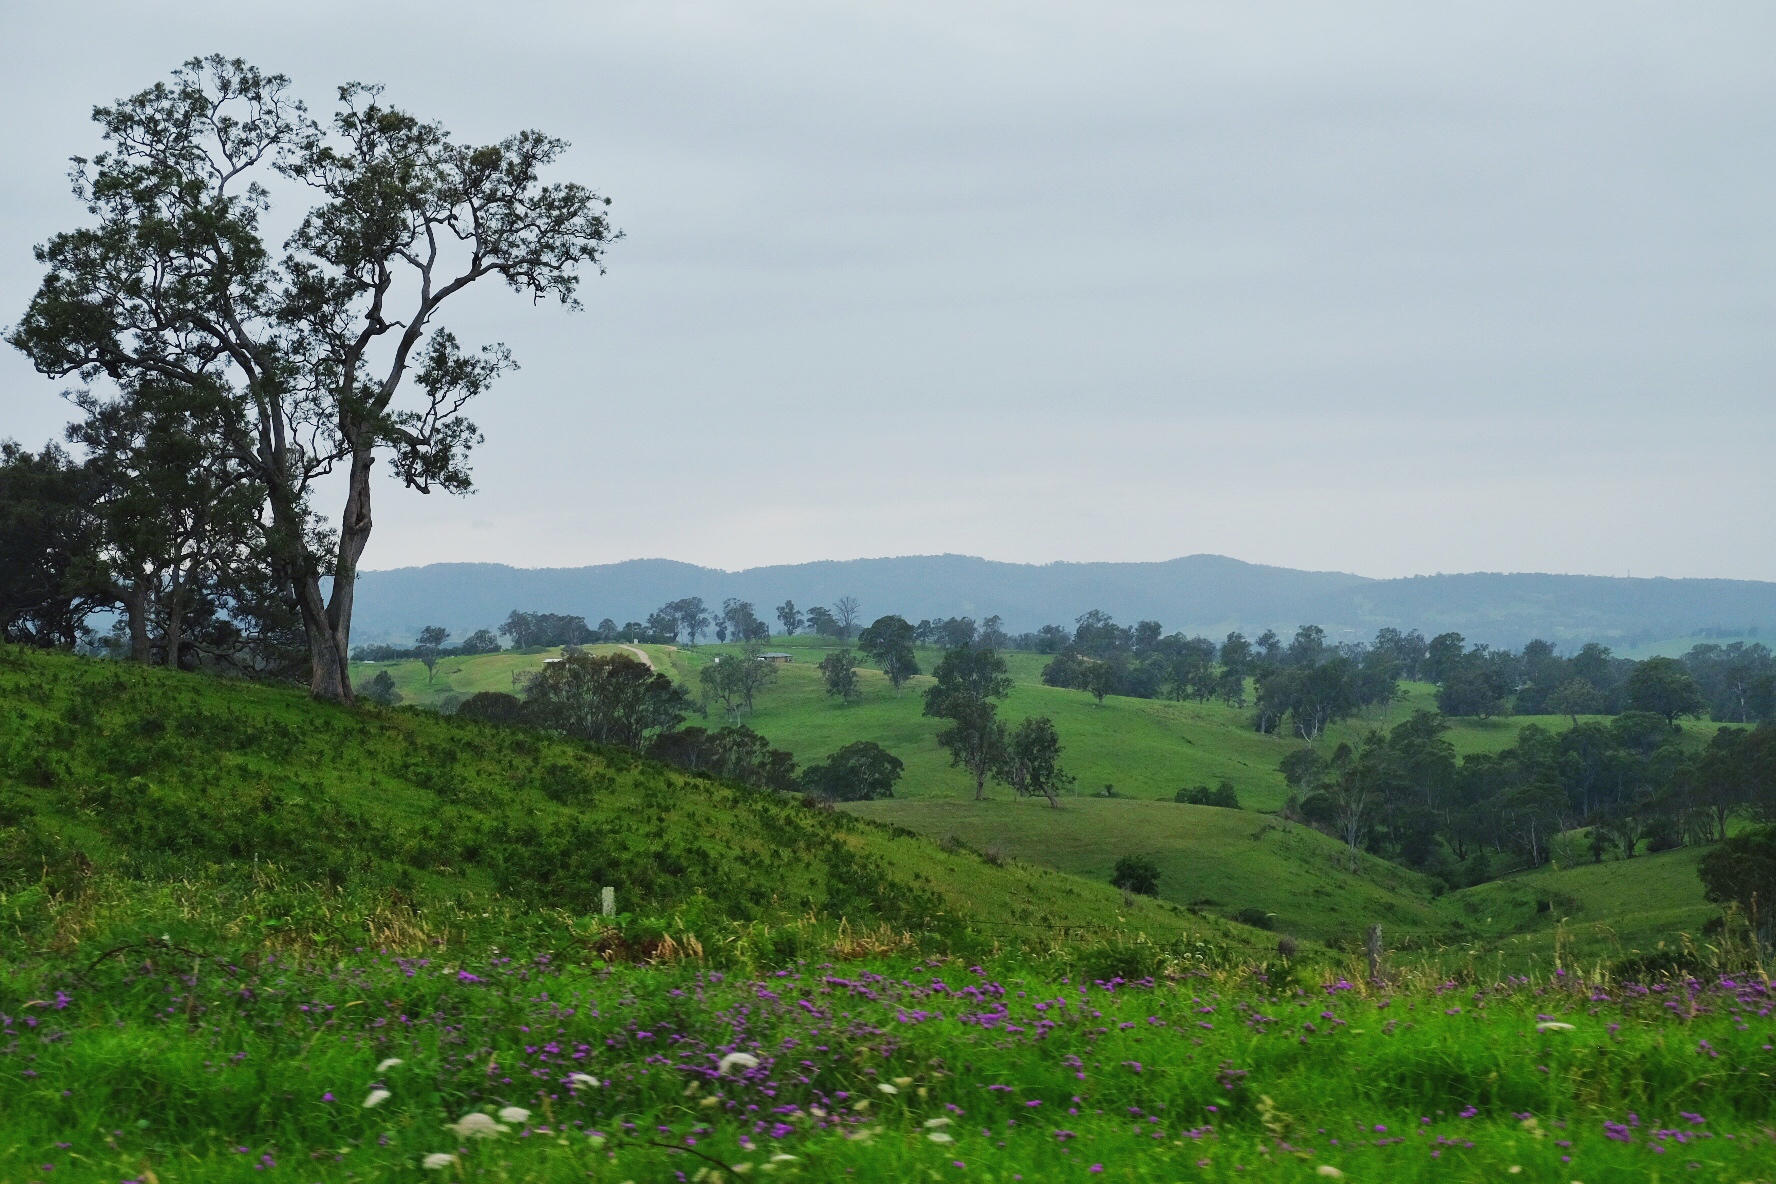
(615, 700)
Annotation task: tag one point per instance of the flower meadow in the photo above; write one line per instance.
(158, 1064)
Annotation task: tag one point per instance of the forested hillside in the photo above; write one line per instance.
(1200, 593)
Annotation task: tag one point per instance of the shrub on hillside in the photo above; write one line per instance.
(1136, 873)
(1742, 870)
(1222, 795)
(859, 772)
(492, 707)
(1256, 918)
(381, 689)
(739, 755)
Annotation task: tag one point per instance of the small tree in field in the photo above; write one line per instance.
(1573, 698)
(890, 643)
(1031, 763)
(845, 610)
(381, 689)
(1136, 873)
(838, 670)
(429, 645)
(968, 679)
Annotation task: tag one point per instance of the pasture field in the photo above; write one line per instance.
(167, 1066)
(252, 937)
(1145, 748)
(1217, 861)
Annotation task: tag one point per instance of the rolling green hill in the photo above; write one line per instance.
(1217, 860)
(126, 794)
(1146, 748)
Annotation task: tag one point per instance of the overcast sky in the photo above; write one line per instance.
(1378, 287)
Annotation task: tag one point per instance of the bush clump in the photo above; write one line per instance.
(1136, 873)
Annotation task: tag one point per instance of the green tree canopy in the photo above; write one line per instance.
(329, 353)
(1663, 687)
(889, 643)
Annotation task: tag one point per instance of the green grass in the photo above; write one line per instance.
(1612, 910)
(1219, 860)
(169, 1067)
(112, 776)
(223, 907)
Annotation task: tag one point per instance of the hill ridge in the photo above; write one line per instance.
(1211, 594)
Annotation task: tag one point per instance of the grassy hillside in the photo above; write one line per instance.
(1148, 749)
(249, 934)
(114, 774)
(1220, 860)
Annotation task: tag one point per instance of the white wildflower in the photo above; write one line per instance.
(476, 1125)
(438, 1159)
(932, 1124)
(740, 1169)
(1553, 1026)
(744, 1059)
(388, 1064)
(887, 1089)
(516, 1114)
(377, 1097)
(576, 1080)
(940, 1137)
(1327, 1169)
(903, 1082)
(780, 1157)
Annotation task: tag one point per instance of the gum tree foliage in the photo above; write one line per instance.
(862, 771)
(743, 621)
(688, 616)
(429, 645)
(889, 643)
(545, 629)
(844, 611)
(737, 754)
(838, 671)
(49, 543)
(329, 352)
(608, 699)
(1742, 870)
(1031, 761)
(789, 618)
(734, 679)
(968, 680)
(179, 525)
(1661, 686)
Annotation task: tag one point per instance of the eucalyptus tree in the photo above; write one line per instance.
(889, 642)
(330, 353)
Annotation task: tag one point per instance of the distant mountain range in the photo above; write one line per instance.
(1208, 594)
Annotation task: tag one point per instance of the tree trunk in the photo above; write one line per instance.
(135, 607)
(175, 632)
(327, 678)
(354, 536)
